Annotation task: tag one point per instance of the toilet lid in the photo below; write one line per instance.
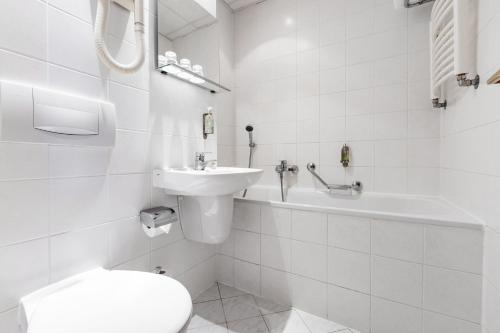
(119, 301)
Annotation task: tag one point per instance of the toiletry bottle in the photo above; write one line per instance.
(208, 123)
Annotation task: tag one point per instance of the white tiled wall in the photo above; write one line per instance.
(67, 209)
(312, 75)
(470, 173)
(375, 276)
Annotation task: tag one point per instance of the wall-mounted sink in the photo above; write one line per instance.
(208, 182)
(206, 202)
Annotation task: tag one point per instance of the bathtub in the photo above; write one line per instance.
(409, 208)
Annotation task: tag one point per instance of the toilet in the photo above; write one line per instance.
(103, 301)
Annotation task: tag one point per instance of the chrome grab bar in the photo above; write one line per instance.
(355, 186)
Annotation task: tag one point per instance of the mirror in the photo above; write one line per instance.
(188, 41)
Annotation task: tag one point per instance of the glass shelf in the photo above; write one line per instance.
(188, 76)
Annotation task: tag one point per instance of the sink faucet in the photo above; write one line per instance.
(200, 163)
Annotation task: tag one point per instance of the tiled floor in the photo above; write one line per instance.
(223, 309)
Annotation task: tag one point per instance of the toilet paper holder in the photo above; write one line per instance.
(156, 217)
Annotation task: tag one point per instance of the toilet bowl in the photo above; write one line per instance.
(102, 301)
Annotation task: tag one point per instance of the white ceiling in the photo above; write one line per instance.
(239, 4)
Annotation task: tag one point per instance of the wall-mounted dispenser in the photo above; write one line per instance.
(39, 115)
(208, 123)
(345, 154)
(158, 220)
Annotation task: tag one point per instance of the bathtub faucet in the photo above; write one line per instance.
(356, 186)
(281, 169)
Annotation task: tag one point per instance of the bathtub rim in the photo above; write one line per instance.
(463, 218)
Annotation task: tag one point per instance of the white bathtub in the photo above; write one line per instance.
(417, 209)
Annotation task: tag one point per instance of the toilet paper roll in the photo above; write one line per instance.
(152, 233)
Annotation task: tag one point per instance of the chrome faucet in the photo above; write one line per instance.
(200, 163)
(281, 169)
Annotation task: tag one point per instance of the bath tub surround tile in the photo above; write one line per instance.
(309, 226)
(276, 285)
(453, 293)
(437, 323)
(349, 269)
(247, 246)
(309, 260)
(397, 280)
(349, 308)
(246, 216)
(349, 232)
(391, 317)
(309, 295)
(398, 240)
(276, 252)
(276, 221)
(247, 277)
(454, 248)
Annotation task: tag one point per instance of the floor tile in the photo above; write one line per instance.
(319, 325)
(251, 325)
(209, 329)
(207, 314)
(285, 322)
(267, 307)
(211, 294)
(240, 307)
(226, 291)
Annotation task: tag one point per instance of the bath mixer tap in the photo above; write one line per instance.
(281, 169)
(200, 163)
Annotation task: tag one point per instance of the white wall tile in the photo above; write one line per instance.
(309, 260)
(348, 232)
(247, 277)
(127, 241)
(276, 252)
(349, 308)
(9, 322)
(309, 226)
(247, 246)
(436, 323)
(397, 240)
(25, 268)
(128, 195)
(453, 293)
(246, 216)
(77, 252)
(77, 203)
(397, 280)
(24, 161)
(309, 295)
(349, 269)
(29, 17)
(18, 223)
(454, 248)
(391, 317)
(67, 161)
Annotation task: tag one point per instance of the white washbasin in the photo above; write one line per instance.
(206, 202)
(209, 182)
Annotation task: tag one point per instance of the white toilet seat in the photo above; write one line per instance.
(113, 301)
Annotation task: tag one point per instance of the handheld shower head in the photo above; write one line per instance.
(249, 129)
